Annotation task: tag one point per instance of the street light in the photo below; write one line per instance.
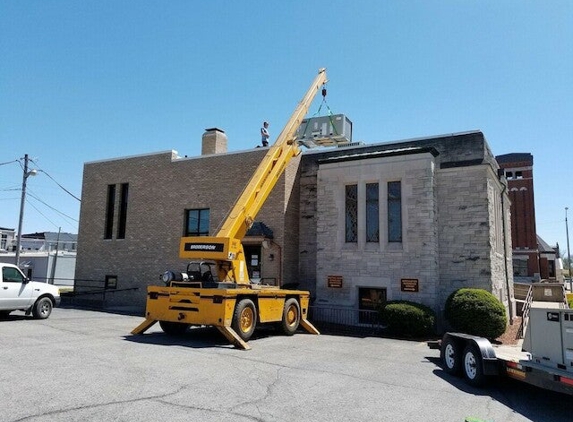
(568, 252)
(22, 201)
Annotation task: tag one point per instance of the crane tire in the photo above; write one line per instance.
(244, 319)
(291, 317)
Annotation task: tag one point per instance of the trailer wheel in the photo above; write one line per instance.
(451, 356)
(291, 317)
(173, 328)
(473, 366)
(245, 319)
(42, 308)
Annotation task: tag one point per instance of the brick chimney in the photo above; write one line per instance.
(214, 141)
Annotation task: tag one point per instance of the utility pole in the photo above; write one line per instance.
(568, 252)
(22, 202)
(53, 273)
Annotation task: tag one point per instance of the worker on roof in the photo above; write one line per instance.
(265, 134)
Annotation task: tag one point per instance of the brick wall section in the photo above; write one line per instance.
(290, 230)
(523, 227)
(161, 187)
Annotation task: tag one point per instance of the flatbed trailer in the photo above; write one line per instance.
(544, 359)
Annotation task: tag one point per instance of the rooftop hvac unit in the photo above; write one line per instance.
(325, 131)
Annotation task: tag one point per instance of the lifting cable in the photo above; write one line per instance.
(330, 114)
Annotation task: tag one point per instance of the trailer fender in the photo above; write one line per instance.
(487, 352)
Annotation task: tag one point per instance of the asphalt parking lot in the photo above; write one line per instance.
(85, 366)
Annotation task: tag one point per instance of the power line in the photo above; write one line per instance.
(63, 188)
(54, 180)
(41, 213)
(52, 208)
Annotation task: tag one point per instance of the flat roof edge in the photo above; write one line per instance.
(127, 157)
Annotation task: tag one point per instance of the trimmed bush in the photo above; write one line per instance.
(476, 312)
(408, 319)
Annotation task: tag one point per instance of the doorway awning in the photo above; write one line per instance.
(258, 232)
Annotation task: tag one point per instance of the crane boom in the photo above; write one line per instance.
(225, 247)
(231, 303)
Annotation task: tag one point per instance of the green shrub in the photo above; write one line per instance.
(476, 312)
(408, 319)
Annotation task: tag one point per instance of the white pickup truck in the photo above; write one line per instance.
(19, 293)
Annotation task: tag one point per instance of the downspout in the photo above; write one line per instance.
(511, 316)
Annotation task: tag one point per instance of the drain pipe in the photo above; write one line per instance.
(501, 173)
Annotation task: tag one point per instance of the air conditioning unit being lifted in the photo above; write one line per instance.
(325, 131)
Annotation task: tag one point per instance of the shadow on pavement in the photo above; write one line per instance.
(536, 404)
(195, 337)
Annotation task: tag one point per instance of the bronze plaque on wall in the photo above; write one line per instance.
(409, 285)
(335, 281)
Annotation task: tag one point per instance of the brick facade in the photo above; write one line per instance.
(161, 187)
(529, 262)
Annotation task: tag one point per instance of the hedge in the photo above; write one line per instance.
(408, 319)
(476, 312)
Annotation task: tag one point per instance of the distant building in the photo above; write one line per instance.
(533, 258)
(7, 237)
(407, 220)
(49, 241)
(45, 256)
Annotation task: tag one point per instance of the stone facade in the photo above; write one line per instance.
(381, 264)
(453, 232)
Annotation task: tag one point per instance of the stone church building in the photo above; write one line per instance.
(407, 220)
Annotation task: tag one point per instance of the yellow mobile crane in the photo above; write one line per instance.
(216, 289)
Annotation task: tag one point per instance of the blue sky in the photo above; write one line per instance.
(83, 80)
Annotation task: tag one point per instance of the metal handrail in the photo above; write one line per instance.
(525, 313)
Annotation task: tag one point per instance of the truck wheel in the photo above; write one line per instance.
(4, 314)
(173, 328)
(291, 317)
(451, 356)
(245, 319)
(42, 308)
(473, 366)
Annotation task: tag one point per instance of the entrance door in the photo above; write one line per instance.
(369, 300)
(253, 256)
